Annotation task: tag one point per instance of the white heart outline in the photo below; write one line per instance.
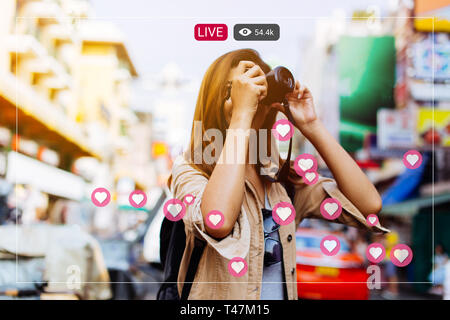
(375, 252)
(331, 208)
(102, 195)
(284, 213)
(308, 176)
(330, 245)
(401, 254)
(238, 266)
(412, 159)
(138, 195)
(174, 209)
(305, 163)
(215, 218)
(283, 129)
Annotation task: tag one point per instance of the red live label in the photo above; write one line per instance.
(211, 32)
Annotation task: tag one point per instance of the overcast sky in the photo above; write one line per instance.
(161, 32)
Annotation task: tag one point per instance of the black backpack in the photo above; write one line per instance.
(172, 243)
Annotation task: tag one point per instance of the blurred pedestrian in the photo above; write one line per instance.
(447, 281)
(437, 275)
(390, 270)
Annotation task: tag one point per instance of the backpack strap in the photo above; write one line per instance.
(199, 246)
(290, 190)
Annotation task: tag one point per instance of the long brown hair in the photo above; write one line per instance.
(209, 109)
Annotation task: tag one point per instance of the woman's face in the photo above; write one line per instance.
(261, 113)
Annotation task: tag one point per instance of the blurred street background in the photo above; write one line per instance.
(100, 93)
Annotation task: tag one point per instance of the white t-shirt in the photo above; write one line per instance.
(447, 281)
(273, 277)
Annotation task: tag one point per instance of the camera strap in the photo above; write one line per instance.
(287, 110)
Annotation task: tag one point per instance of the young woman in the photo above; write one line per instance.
(230, 99)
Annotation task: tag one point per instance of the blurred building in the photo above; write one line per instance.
(169, 91)
(422, 110)
(382, 79)
(66, 123)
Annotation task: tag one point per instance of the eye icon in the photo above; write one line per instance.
(245, 32)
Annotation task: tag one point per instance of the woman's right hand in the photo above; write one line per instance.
(249, 86)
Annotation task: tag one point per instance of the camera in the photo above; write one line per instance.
(280, 81)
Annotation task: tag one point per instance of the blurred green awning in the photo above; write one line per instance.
(131, 208)
(412, 206)
(366, 76)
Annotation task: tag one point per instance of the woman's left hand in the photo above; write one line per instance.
(351, 180)
(301, 105)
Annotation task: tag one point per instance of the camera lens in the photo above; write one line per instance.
(280, 81)
(287, 79)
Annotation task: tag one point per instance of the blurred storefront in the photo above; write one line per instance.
(423, 57)
(67, 124)
(392, 78)
(65, 95)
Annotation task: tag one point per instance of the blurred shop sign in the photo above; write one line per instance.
(23, 145)
(48, 156)
(434, 127)
(5, 137)
(395, 129)
(426, 10)
(159, 149)
(431, 52)
(428, 91)
(25, 170)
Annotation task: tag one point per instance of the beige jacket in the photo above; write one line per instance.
(212, 280)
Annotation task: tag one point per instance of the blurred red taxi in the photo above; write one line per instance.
(328, 277)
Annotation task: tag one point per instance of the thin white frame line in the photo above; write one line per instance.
(217, 18)
(285, 18)
(253, 282)
(432, 153)
(15, 154)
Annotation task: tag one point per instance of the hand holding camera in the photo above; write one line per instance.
(276, 89)
(301, 105)
(289, 97)
(249, 87)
